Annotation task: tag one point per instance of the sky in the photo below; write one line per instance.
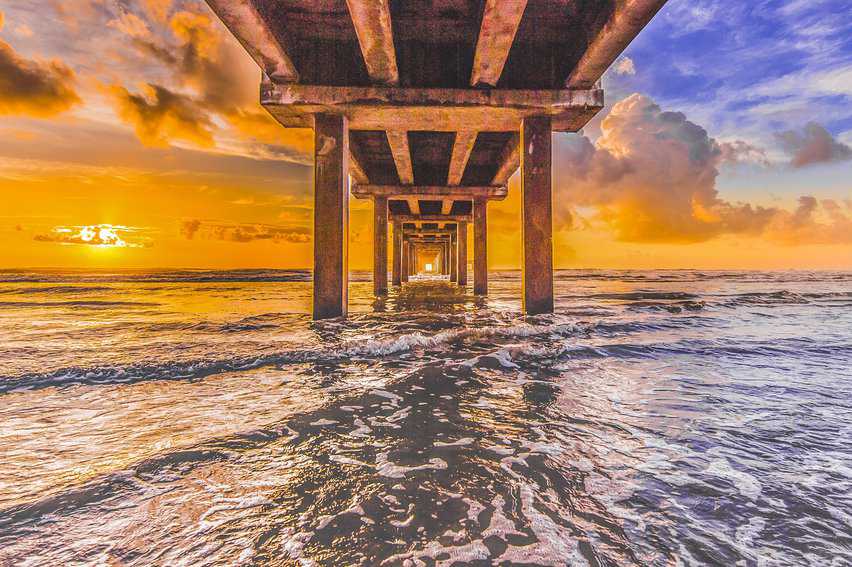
(131, 136)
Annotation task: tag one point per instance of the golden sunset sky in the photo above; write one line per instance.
(130, 136)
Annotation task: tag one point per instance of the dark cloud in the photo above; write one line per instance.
(34, 88)
(190, 228)
(234, 232)
(160, 116)
(814, 144)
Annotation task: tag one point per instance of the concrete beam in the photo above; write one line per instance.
(500, 21)
(537, 216)
(510, 160)
(357, 172)
(430, 192)
(380, 245)
(331, 216)
(480, 247)
(252, 31)
(462, 147)
(434, 109)
(398, 141)
(413, 205)
(372, 23)
(624, 24)
(431, 218)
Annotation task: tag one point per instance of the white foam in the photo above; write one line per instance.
(391, 470)
(321, 422)
(460, 442)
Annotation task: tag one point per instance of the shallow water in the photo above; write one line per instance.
(202, 418)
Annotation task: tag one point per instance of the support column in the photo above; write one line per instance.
(480, 247)
(380, 245)
(331, 215)
(445, 266)
(406, 251)
(462, 252)
(397, 253)
(537, 213)
(454, 257)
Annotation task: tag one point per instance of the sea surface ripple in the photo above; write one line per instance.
(201, 418)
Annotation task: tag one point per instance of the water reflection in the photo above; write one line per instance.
(226, 427)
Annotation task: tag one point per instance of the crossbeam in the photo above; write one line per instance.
(431, 218)
(405, 192)
(429, 109)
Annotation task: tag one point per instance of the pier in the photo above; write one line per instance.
(427, 108)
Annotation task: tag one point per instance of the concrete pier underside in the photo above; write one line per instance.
(430, 106)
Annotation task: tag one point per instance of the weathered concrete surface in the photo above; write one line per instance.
(397, 253)
(406, 261)
(625, 24)
(500, 21)
(400, 192)
(244, 21)
(537, 215)
(331, 216)
(380, 245)
(462, 253)
(480, 247)
(372, 22)
(430, 109)
(462, 147)
(454, 257)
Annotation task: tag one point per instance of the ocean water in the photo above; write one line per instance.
(202, 418)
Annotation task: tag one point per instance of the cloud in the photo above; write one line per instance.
(246, 232)
(813, 222)
(160, 116)
(814, 144)
(652, 175)
(100, 235)
(625, 66)
(158, 9)
(34, 88)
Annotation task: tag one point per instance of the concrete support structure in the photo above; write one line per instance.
(397, 254)
(537, 215)
(454, 257)
(462, 253)
(445, 101)
(331, 215)
(406, 260)
(480, 247)
(380, 245)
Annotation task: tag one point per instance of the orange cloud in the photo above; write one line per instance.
(245, 232)
(160, 115)
(100, 235)
(34, 88)
(652, 177)
(158, 9)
